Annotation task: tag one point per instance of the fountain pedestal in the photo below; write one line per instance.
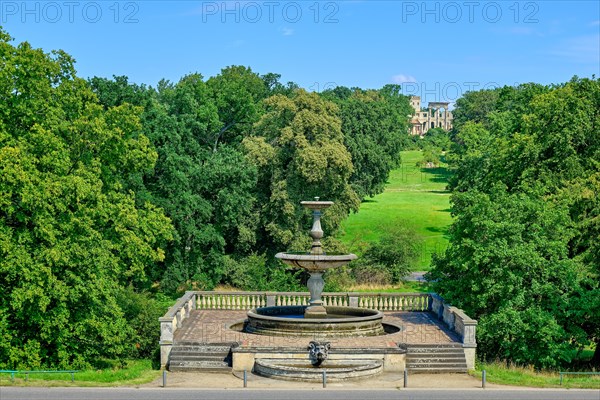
(315, 287)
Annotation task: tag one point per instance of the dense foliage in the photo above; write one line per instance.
(374, 124)
(71, 235)
(113, 194)
(524, 254)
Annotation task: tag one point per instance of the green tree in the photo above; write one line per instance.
(207, 192)
(375, 128)
(70, 234)
(395, 253)
(437, 137)
(237, 93)
(299, 152)
(374, 135)
(523, 256)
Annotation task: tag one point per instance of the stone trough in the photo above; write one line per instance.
(335, 370)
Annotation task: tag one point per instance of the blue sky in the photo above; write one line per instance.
(434, 49)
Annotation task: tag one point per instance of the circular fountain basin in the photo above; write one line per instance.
(315, 262)
(299, 370)
(339, 322)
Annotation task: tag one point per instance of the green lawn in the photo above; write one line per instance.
(414, 197)
(136, 372)
(526, 376)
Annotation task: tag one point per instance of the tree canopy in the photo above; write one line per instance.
(523, 257)
(71, 235)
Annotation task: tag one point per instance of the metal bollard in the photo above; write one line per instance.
(405, 377)
(164, 378)
(26, 376)
(324, 379)
(245, 379)
(72, 377)
(483, 376)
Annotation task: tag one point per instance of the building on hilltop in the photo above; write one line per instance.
(436, 115)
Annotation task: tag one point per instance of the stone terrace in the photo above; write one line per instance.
(213, 326)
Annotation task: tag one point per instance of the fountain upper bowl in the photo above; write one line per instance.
(315, 262)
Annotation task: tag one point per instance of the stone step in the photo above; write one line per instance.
(202, 349)
(438, 370)
(196, 356)
(203, 366)
(434, 346)
(437, 365)
(199, 357)
(209, 344)
(436, 358)
(437, 354)
(430, 360)
(433, 351)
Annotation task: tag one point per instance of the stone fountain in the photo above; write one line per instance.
(316, 319)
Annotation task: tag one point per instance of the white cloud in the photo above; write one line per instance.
(287, 31)
(579, 49)
(401, 78)
(595, 23)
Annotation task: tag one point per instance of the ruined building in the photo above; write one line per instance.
(436, 115)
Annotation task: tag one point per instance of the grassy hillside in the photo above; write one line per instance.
(414, 197)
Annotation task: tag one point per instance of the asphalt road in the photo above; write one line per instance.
(21, 393)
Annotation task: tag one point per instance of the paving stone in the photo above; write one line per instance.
(213, 326)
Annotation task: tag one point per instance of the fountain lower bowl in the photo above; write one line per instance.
(303, 371)
(315, 262)
(290, 321)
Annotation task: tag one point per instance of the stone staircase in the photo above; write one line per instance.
(435, 358)
(203, 357)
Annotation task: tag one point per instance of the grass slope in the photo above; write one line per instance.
(414, 197)
(499, 373)
(136, 372)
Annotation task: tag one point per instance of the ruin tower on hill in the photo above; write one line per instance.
(436, 115)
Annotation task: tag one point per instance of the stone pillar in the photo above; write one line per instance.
(470, 355)
(315, 286)
(270, 299)
(449, 316)
(394, 362)
(437, 306)
(470, 341)
(352, 299)
(166, 339)
(242, 361)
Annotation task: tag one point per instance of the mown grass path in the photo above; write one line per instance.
(414, 197)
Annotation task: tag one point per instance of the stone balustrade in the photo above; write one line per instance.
(249, 300)
(453, 317)
(460, 323)
(172, 320)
